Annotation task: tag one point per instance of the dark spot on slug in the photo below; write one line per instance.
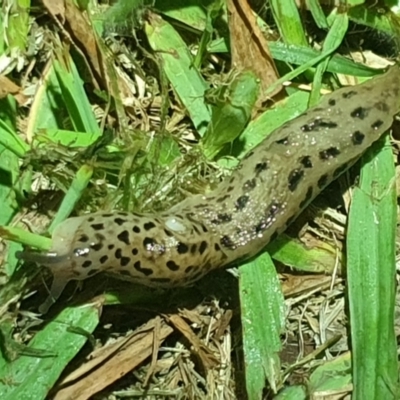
(249, 185)
(357, 138)
(103, 259)
(136, 229)
(349, 94)
(90, 219)
(329, 153)
(223, 198)
(226, 241)
(110, 246)
(119, 221)
(149, 225)
(172, 265)
(97, 246)
(230, 188)
(307, 198)
(217, 247)
(97, 227)
(193, 248)
(262, 166)
(295, 178)
(99, 237)
(317, 124)
(338, 171)
(381, 106)
(249, 154)
(269, 217)
(332, 102)
(241, 202)
(377, 124)
(322, 181)
(168, 233)
(189, 268)
(86, 264)
(306, 162)
(222, 218)
(182, 248)
(284, 141)
(144, 271)
(148, 243)
(124, 261)
(124, 237)
(135, 251)
(107, 215)
(359, 112)
(203, 246)
(84, 238)
(118, 253)
(205, 230)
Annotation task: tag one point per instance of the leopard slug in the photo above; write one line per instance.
(272, 184)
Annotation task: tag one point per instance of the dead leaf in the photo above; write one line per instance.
(249, 48)
(112, 362)
(56, 9)
(9, 87)
(83, 34)
(296, 285)
(204, 354)
(223, 324)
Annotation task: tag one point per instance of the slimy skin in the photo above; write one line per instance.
(272, 184)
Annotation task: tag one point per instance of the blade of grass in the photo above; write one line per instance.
(75, 191)
(318, 14)
(9, 161)
(333, 40)
(372, 17)
(23, 236)
(263, 321)
(74, 96)
(231, 111)
(11, 141)
(371, 277)
(298, 55)
(30, 377)
(177, 63)
(18, 25)
(289, 23)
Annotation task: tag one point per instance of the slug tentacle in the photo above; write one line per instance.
(272, 184)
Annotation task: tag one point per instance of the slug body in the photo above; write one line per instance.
(270, 187)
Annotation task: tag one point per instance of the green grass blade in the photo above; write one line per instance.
(371, 277)
(75, 192)
(333, 40)
(75, 98)
(177, 63)
(298, 55)
(18, 25)
(11, 141)
(31, 377)
(263, 321)
(231, 111)
(287, 18)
